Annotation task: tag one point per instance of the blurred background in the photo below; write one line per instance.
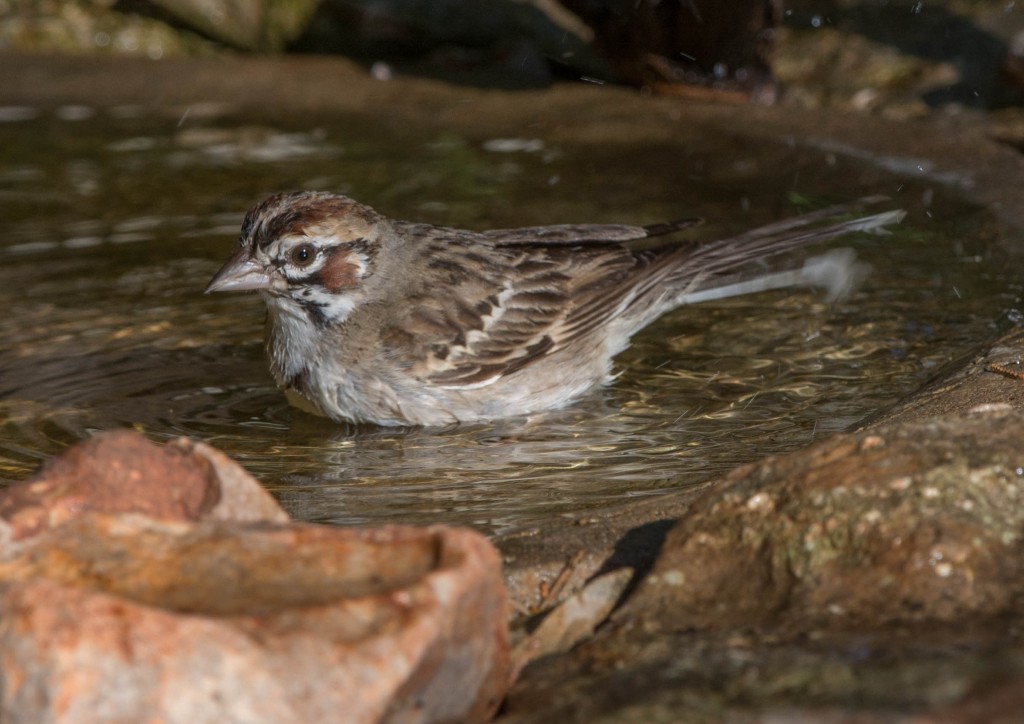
(897, 57)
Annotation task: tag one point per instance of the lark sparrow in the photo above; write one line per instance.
(399, 323)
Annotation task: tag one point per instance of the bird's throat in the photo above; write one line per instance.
(292, 338)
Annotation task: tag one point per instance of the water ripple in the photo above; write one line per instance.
(105, 255)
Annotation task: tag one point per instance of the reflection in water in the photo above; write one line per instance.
(106, 246)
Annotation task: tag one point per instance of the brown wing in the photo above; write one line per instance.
(501, 308)
(504, 299)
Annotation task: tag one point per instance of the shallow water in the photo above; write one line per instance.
(113, 221)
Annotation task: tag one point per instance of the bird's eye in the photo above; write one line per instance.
(302, 255)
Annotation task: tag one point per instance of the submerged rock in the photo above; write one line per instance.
(260, 25)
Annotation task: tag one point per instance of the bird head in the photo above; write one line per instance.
(306, 252)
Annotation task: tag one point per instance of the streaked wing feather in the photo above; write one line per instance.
(537, 291)
(534, 296)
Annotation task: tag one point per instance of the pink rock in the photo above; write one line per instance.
(123, 472)
(121, 619)
(161, 583)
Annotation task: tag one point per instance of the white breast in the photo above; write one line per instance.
(292, 337)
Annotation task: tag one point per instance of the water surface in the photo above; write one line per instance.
(112, 222)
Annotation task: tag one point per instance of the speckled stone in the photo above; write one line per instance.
(904, 523)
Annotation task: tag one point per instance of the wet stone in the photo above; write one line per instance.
(137, 594)
(122, 472)
(873, 575)
(900, 524)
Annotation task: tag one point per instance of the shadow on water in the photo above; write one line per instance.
(112, 225)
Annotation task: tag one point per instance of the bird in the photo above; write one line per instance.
(397, 323)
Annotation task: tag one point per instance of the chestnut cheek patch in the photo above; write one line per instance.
(340, 271)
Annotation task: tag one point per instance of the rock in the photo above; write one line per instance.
(115, 618)
(157, 28)
(873, 577)
(122, 472)
(901, 524)
(259, 25)
(92, 26)
(140, 582)
(573, 620)
(240, 496)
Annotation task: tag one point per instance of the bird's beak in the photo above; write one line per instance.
(241, 273)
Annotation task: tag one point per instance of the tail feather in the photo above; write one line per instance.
(784, 226)
(728, 254)
(837, 272)
(728, 267)
(740, 264)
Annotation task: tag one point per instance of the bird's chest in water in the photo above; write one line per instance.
(319, 370)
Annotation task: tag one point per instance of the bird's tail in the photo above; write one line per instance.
(742, 264)
(837, 272)
(734, 266)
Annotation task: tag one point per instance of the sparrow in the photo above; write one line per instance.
(396, 323)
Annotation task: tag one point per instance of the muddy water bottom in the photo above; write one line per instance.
(113, 220)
